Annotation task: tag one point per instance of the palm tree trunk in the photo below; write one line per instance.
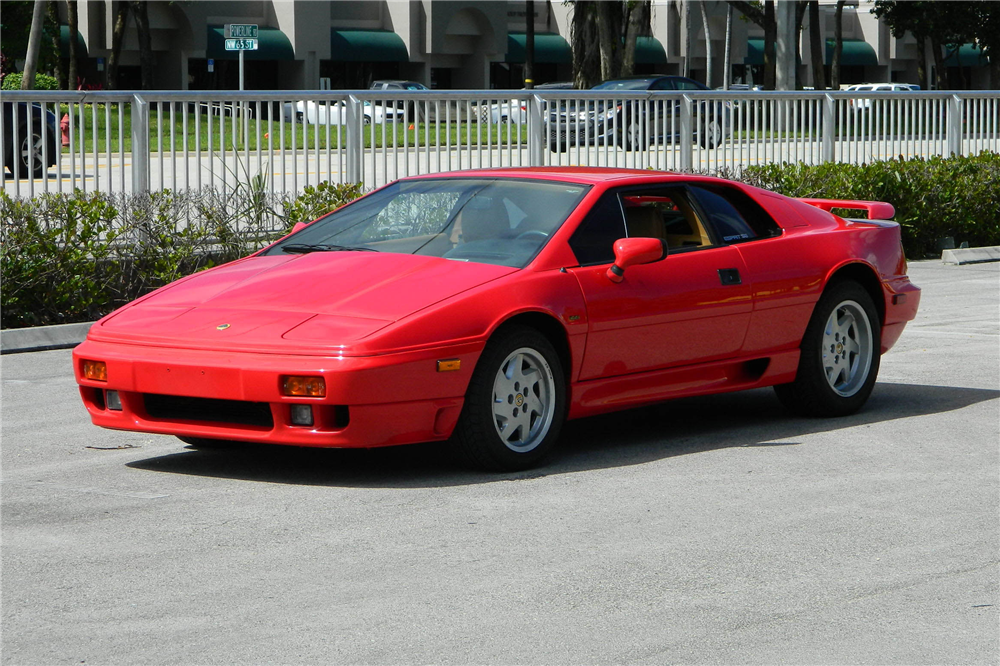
(708, 42)
(34, 46)
(770, 39)
(816, 46)
(727, 67)
(838, 46)
(117, 37)
(140, 8)
(637, 24)
(586, 50)
(609, 26)
(53, 13)
(73, 22)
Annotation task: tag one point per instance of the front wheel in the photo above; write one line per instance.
(515, 404)
(840, 355)
(31, 153)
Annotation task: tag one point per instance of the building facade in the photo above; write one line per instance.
(453, 44)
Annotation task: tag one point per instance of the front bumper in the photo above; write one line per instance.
(370, 401)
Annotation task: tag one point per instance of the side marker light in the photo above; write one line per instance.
(95, 371)
(451, 365)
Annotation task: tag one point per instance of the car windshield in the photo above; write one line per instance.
(627, 84)
(503, 221)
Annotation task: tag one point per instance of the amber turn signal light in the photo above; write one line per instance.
(450, 365)
(95, 370)
(313, 387)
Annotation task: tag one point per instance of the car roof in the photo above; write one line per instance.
(588, 175)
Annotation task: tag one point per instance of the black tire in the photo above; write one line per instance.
(487, 440)
(631, 135)
(711, 133)
(36, 140)
(205, 443)
(834, 379)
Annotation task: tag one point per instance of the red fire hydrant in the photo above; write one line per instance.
(64, 126)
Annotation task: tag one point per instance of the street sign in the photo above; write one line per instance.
(243, 30)
(242, 37)
(241, 44)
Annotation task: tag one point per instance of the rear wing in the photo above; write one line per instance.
(877, 210)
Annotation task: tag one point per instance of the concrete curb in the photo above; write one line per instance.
(971, 255)
(41, 338)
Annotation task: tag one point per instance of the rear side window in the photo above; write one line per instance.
(736, 217)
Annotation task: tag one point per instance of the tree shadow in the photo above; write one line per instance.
(633, 437)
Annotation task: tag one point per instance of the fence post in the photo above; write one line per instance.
(355, 138)
(955, 125)
(536, 131)
(140, 144)
(829, 127)
(687, 133)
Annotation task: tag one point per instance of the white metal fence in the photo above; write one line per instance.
(187, 140)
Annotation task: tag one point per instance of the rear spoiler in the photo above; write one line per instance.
(877, 210)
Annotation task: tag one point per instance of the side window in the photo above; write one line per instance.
(685, 84)
(593, 241)
(735, 215)
(665, 214)
(662, 84)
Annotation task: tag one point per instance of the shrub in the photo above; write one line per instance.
(319, 200)
(934, 198)
(12, 81)
(69, 258)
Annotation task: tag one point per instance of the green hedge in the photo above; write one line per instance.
(70, 258)
(75, 258)
(12, 81)
(957, 197)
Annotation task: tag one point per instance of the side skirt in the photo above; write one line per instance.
(598, 396)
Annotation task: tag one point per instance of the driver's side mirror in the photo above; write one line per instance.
(635, 251)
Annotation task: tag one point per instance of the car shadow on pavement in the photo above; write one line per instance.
(680, 427)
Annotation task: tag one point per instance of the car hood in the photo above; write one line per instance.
(293, 303)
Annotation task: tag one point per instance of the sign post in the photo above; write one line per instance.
(242, 37)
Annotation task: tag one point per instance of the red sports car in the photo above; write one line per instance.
(487, 307)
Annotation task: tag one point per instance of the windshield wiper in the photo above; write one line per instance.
(305, 248)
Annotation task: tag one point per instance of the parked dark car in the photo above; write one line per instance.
(628, 124)
(23, 139)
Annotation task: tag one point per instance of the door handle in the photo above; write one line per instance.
(730, 276)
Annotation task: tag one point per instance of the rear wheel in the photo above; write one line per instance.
(840, 355)
(515, 404)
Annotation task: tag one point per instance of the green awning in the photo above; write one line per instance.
(968, 55)
(81, 47)
(853, 52)
(649, 51)
(274, 45)
(549, 47)
(367, 46)
(755, 52)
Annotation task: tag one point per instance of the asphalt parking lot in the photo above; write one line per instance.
(709, 530)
